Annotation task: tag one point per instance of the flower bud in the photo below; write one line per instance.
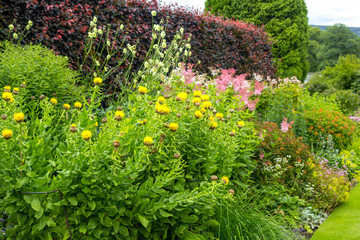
(177, 155)
(104, 120)
(42, 96)
(4, 117)
(116, 144)
(214, 178)
(119, 108)
(231, 191)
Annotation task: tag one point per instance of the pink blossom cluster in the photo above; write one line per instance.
(285, 125)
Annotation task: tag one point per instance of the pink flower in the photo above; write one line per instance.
(262, 155)
(252, 104)
(258, 88)
(285, 125)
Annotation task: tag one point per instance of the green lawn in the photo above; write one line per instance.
(344, 222)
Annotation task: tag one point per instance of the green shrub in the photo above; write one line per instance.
(42, 71)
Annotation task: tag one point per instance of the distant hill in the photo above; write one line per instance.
(355, 30)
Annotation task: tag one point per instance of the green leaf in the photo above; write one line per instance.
(144, 221)
(191, 236)
(28, 198)
(39, 214)
(73, 201)
(35, 204)
(189, 219)
(124, 231)
(83, 228)
(164, 213)
(92, 205)
(212, 223)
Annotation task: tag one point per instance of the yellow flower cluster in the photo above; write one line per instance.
(161, 99)
(53, 101)
(120, 114)
(206, 104)
(219, 115)
(86, 134)
(142, 122)
(161, 109)
(198, 114)
(213, 125)
(205, 97)
(197, 93)
(182, 96)
(142, 90)
(66, 106)
(19, 117)
(77, 105)
(241, 123)
(196, 100)
(7, 96)
(225, 180)
(174, 126)
(8, 88)
(7, 133)
(98, 81)
(148, 141)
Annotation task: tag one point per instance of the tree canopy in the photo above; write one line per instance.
(285, 20)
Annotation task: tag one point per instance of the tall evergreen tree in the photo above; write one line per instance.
(285, 20)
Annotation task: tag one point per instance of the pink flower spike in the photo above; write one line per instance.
(259, 87)
(285, 125)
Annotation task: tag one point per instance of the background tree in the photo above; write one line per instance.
(335, 42)
(285, 20)
(314, 48)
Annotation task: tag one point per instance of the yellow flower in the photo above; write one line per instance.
(96, 124)
(225, 180)
(16, 89)
(162, 109)
(198, 114)
(148, 141)
(19, 117)
(173, 126)
(211, 118)
(196, 100)
(73, 125)
(66, 106)
(7, 133)
(98, 80)
(119, 114)
(203, 110)
(241, 123)
(206, 104)
(7, 96)
(53, 101)
(182, 96)
(161, 99)
(213, 125)
(142, 90)
(197, 93)
(219, 115)
(7, 88)
(205, 97)
(78, 105)
(86, 134)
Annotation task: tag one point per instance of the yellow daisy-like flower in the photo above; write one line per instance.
(119, 114)
(19, 117)
(206, 104)
(148, 141)
(7, 96)
(219, 115)
(197, 93)
(212, 118)
(7, 88)
(16, 89)
(142, 90)
(225, 180)
(182, 96)
(96, 124)
(98, 80)
(173, 127)
(205, 97)
(78, 105)
(66, 106)
(198, 114)
(162, 109)
(161, 99)
(203, 110)
(73, 125)
(7, 133)
(53, 101)
(86, 134)
(196, 100)
(213, 125)
(241, 123)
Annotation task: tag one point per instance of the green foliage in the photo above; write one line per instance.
(42, 71)
(285, 21)
(313, 48)
(337, 41)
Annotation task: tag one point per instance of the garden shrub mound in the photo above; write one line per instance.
(63, 25)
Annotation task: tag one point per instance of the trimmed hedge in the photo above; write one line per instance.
(62, 25)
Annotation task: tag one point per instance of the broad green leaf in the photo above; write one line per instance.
(189, 219)
(144, 221)
(73, 201)
(165, 213)
(35, 204)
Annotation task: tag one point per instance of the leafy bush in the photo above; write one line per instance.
(139, 173)
(43, 72)
(322, 123)
(62, 26)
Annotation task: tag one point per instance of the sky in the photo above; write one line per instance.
(320, 12)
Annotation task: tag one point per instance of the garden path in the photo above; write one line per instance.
(344, 222)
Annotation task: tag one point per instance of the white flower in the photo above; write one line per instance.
(95, 75)
(15, 36)
(121, 26)
(153, 13)
(146, 64)
(97, 63)
(95, 30)
(91, 23)
(100, 31)
(133, 52)
(181, 30)
(162, 34)
(154, 36)
(27, 27)
(108, 57)
(105, 69)
(190, 53)
(155, 46)
(124, 50)
(188, 46)
(157, 27)
(11, 27)
(95, 19)
(163, 45)
(30, 23)
(108, 42)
